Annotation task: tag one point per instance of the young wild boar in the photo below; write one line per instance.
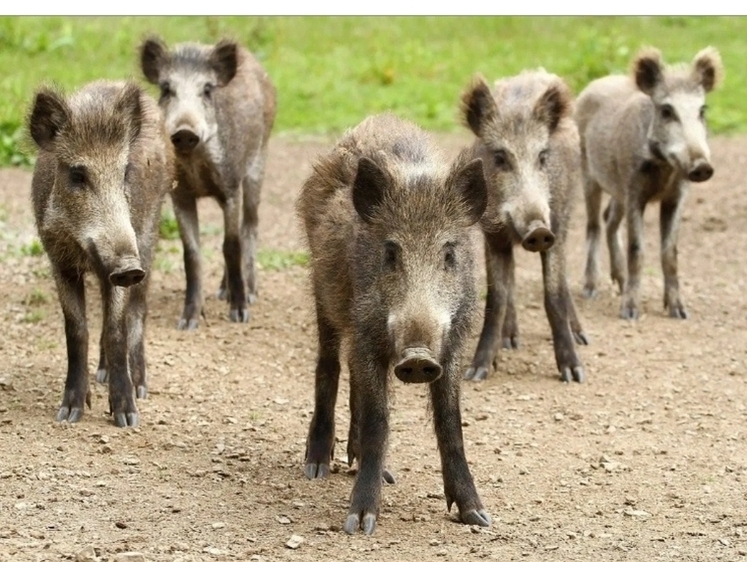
(392, 273)
(103, 170)
(643, 138)
(529, 144)
(219, 105)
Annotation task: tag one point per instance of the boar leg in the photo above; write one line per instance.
(613, 216)
(320, 445)
(369, 382)
(500, 276)
(510, 324)
(459, 487)
(185, 209)
(71, 291)
(233, 257)
(593, 196)
(669, 222)
(121, 391)
(557, 298)
(630, 307)
(101, 376)
(136, 313)
(252, 185)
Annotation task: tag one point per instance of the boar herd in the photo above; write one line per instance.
(387, 219)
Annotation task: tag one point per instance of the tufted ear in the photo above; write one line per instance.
(554, 104)
(477, 104)
(648, 69)
(224, 60)
(371, 183)
(48, 116)
(468, 183)
(708, 69)
(153, 56)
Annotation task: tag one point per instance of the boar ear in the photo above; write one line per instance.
(371, 183)
(468, 183)
(153, 55)
(648, 69)
(478, 105)
(555, 104)
(130, 107)
(48, 116)
(224, 60)
(708, 70)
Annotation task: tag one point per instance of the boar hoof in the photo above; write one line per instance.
(510, 343)
(187, 324)
(388, 477)
(353, 522)
(251, 298)
(476, 374)
(142, 392)
(102, 376)
(570, 374)
(581, 338)
(313, 470)
(239, 315)
(629, 312)
(678, 311)
(70, 415)
(475, 517)
(130, 419)
(589, 292)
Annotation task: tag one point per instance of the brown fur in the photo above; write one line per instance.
(529, 143)
(392, 271)
(111, 134)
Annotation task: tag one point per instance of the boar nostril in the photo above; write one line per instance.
(701, 173)
(185, 140)
(417, 369)
(127, 277)
(538, 240)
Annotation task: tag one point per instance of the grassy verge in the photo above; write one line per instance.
(333, 71)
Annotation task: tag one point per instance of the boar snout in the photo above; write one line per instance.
(702, 171)
(185, 141)
(417, 366)
(538, 238)
(127, 273)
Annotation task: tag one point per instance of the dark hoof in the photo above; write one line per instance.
(70, 415)
(126, 420)
(476, 374)
(313, 470)
(678, 312)
(581, 338)
(187, 324)
(629, 312)
(510, 343)
(589, 292)
(388, 477)
(142, 392)
(239, 315)
(222, 294)
(251, 298)
(102, 376)
(575, 374)
(353, 522)
(474, 517)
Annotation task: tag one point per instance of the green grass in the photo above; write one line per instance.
(277, 260)
(331, 72)
(33, 248)
(167, 226)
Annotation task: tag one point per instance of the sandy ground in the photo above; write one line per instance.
(647, 460)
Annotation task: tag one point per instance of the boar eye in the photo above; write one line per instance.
(667, 112)
(208, 90)
(166, 90)
(77, 176)
(391, 250)
(500, 158)
(449, 256)
(703, 111)
(543, 157)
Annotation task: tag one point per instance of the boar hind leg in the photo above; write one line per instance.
(669, 224)
(121, 392)
(630, 306)
(500, 274)
(510, 324)
(557, 298)
(459, 487)
(185, 208)
(71, 290)
(369, 382)
(232, 254)
(320, 445)
(252, 185)
(613, 216)
(136, 312)
(593, 195)
(101, 376)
